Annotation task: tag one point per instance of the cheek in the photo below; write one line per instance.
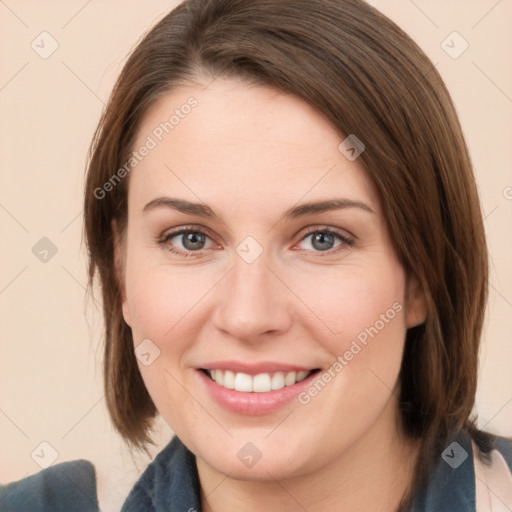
(360, 321)
(159, 301)
(353, 303)
(337, 306)
(167, 304)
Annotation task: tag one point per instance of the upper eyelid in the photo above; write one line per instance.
(187, 229)
(347, 238)
(307, 231)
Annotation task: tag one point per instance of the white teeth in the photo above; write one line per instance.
(301, 376)
(290, 378)
(229, 379)
(243, 382)
(278, 380)
(261, 383)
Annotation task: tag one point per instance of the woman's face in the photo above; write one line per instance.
(257, 252)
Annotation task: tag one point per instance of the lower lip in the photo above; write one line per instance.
(254, 404)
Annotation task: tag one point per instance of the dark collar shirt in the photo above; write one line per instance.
(170, 483)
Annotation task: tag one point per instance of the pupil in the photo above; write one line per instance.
(322, 241)
(193, 241)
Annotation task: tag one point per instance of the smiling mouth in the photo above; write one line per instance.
(260, 383)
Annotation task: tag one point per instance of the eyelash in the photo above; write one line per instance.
(164, 240)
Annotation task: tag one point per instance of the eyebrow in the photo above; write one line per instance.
(302, 210)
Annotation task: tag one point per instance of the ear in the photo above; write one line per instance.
(416, 303)
(119, 271)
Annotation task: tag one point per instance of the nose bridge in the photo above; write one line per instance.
(251, 280)
(250, 302)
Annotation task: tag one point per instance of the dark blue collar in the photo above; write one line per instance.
(171, 482)
(452, 484)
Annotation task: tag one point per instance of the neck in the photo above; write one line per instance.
(373, 474)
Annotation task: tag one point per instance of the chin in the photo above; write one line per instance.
(258, 461)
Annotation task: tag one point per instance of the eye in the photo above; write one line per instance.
(190, 241)
(324, 239)
(186, 241)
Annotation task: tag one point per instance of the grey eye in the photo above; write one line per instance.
(321, 241)
(188, 240)
(193, 241)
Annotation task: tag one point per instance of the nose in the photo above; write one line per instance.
(252, 303)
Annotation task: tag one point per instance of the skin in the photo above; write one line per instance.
(250, 153)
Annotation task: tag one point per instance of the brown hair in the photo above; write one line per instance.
(368, 78)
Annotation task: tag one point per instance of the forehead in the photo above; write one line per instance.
(242, 142)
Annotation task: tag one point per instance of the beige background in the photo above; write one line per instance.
(50, 380)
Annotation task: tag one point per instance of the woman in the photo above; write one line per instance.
(281, 209)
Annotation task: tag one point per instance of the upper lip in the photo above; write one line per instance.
(255, 368)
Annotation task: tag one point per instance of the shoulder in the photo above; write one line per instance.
(466, 477)
(170, 482)
(63, 487)
(493, 475)
(504, 446)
